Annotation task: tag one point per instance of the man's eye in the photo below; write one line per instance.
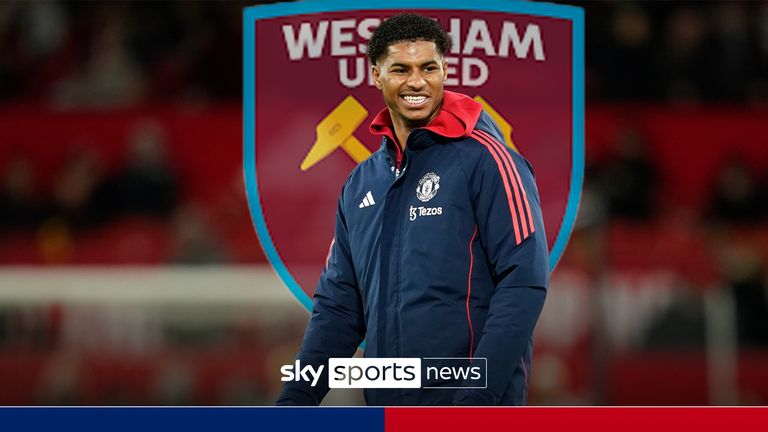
(398, 70)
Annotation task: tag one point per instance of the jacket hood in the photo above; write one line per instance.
(456, 119)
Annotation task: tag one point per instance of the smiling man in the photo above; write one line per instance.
(439, 247)
(410, 76)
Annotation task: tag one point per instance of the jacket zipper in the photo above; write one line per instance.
(399, 174)
(395, 281)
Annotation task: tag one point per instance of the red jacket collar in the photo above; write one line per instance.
(457, 118)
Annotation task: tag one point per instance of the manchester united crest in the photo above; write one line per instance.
(428, 186)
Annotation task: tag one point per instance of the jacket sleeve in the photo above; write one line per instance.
(511, 231)
(336, 327)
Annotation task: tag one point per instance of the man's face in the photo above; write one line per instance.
(411, 78)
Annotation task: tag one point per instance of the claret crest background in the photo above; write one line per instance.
(308, 100)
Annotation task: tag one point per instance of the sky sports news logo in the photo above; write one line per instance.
(428, 373)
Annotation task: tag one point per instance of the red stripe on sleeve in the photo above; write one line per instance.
(518, 183)
(525, 200)
(508, 164)
(505, 180)
(469, 291)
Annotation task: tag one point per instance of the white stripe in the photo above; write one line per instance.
(370, 198)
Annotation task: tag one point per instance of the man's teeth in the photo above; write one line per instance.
(415, 99)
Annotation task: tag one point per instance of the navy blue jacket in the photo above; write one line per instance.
(443, 256)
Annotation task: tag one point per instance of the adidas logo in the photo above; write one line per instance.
(367, 201)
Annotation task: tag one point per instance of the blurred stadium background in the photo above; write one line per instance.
(130, 272)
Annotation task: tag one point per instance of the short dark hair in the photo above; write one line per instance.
(407, 27)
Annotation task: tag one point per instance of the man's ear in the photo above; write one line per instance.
(445, 70)
(376, 72)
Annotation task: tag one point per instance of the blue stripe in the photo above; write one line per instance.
(202, 419)
(577, 162)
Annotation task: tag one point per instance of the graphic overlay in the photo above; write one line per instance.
(376, 419)
(428, 372)
(309, 97)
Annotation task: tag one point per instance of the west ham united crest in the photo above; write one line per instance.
(309, 97)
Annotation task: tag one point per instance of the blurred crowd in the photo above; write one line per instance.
(137, 208)
(75, 54)
(627, 184)
(97, 54)
(84, 194)
(624, 191)
(123, 355)
(677, 52)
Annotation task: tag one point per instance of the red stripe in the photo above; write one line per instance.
(505, 180)
(575, 419)
(516, 182)
(469, 291)
(525, 199)
(519, 183)
(500, 156)
(504, 155)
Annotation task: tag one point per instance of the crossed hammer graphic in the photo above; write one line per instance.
(337, 128)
